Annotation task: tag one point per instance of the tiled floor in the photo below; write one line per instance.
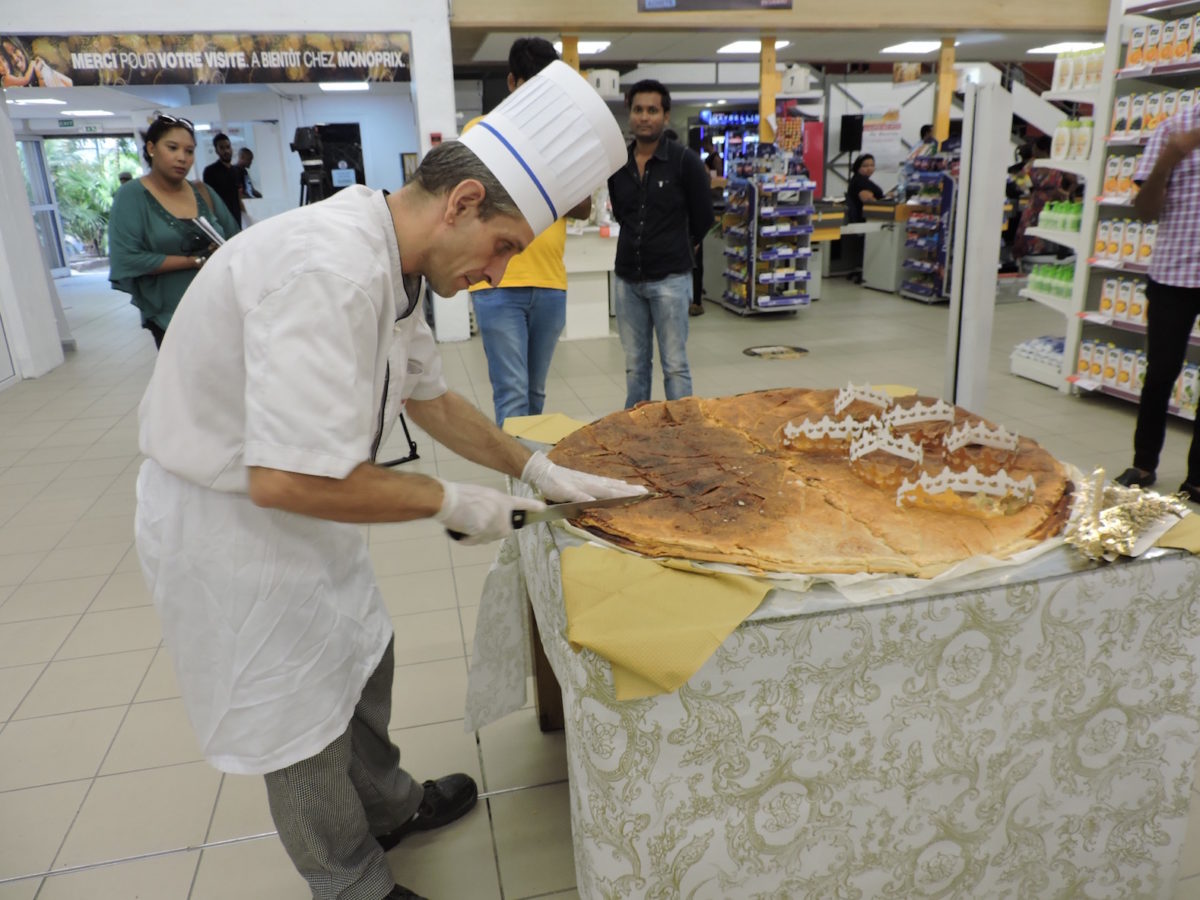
(101, 784)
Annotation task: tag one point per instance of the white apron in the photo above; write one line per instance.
(273, 620)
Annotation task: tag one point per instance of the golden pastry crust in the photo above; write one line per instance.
(734, 493)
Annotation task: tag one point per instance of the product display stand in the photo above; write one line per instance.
(1149, 75)
(767, 227)
(931, 182)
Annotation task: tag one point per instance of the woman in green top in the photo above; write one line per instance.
(155, 246)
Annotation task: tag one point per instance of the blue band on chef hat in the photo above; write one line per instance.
(517, 156)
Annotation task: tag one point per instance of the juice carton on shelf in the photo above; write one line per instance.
(1146, 248)
(1153, 114)
(1116, 239)
(1177, 392)
(1125, 186)
(1190, 387)
(1166, 44)
(1084, 366)
(1137, 115)
(1195, 53)
(1124, 299)
(1153, 36)
(1170, 106)
(1131, 242)
(1196, 329)
(1099, 354)
(1112, 175)
(1112, 363)
(1137, 304)
(1126, 370)
(1139, 373)
(1187, 99)
(1108, 296)
(1120, 117)
(1103, 230)
(1135, 55)
(1183, 39)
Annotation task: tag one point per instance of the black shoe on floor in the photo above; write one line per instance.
(1190, 492)
(400, 892)
(696, 309)
(445, 800)
(1132, 477)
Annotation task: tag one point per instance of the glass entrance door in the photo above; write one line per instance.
(46, 220)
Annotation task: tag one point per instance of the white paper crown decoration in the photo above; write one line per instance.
(937, 411)
(865, 392)
(844, 429)
(550, 143)
(969, 482)
(883, 440)
(982, 434)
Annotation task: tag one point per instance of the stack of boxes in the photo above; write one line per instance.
(1125, 241)
(1164, 43)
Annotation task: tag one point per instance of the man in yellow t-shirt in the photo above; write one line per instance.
(521, 318)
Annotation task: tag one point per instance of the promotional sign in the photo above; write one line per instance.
(728, 119)
(881, 137)
(118, 59)
(709, 5)
(903, 72)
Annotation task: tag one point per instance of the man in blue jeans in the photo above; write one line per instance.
(521, 318)
(662, 202)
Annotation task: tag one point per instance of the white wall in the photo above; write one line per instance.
(432, 90)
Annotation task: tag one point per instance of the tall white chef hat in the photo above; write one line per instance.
(550, 143)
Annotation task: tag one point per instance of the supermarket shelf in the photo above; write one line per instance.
(1072, 239)
(1035, 370)
(1096, 318)
(1128, 141)
(1074, 166)
(787, 186)
(1131, 268)
(919, 265)
(1168, 70)
(1091, 384)
(783, 277)
(1115, 201)
(1058, 304)
(793, 253)
(1165, 9)
(776, 212)
(1087, 95)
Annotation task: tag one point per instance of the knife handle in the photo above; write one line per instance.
(518, 518)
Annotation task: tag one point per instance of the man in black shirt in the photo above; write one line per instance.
(661, 200)
(223, 178)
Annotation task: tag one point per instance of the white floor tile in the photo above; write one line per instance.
(251, 870)
(155, 733)
(34, 822)
(48, 599)
(57, 748)
(112, 631)
(122, 590)
(33, 641)
(140, 812)
(167, 877)
(242, 809)
(425, 693)
(516, 753)
(428, 636)
(93, 682)
(533, 841)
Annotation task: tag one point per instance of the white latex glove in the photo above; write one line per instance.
(564, 485)
(481, 513)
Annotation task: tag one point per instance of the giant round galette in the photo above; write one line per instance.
(812, 481)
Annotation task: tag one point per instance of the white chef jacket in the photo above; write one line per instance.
(277, 357)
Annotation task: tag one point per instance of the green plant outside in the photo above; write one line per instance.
(84, 171)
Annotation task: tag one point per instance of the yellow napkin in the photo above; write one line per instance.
(895, 390)
(657, 624)
(546, 429)
(1184, 535)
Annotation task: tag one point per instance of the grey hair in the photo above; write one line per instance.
(449, 164)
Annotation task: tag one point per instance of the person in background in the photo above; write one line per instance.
(662, 200)
(860, 190)
(1169, 175)
(1045, 184)
(124, 178)
(245, 161)
(223, 177)
(154, 246)
(521, 318)
(286, 365)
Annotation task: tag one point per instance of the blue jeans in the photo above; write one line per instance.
(519, 327)
(646, 307)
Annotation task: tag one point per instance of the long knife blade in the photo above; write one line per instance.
(521, 517)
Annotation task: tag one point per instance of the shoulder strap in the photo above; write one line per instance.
(202, 190)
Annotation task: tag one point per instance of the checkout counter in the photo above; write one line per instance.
(883, 244)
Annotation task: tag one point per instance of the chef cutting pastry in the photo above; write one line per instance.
(285, 366)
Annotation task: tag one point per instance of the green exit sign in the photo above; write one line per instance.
(66, 123)
(92, 129)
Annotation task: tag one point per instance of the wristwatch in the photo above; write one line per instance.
(199, 261)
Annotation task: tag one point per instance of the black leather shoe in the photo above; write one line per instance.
(400, 892)
(1190, 492)
(1132, 477)
(445, 800)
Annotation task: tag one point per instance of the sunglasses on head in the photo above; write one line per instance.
(177, 120)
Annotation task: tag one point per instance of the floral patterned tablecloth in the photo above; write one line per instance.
(1031, 740)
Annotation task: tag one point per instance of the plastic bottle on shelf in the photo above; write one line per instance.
(1061, 143)
(1081, 139)
(1061, 79)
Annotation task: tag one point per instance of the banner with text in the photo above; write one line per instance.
(117, 59)
(881, 137)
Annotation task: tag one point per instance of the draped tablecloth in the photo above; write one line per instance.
(1035, 739)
